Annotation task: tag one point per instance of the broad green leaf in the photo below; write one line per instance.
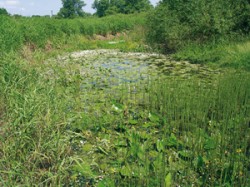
(126, 171)
(106, 183)
(210, 144)
(83, 168)
(185, 154)
(133, 122)
(168, 180)
(153, 117)
(172, 141)
(200, 162)
(159, 145)
(87, 147)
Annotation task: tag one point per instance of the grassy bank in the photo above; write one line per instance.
(233, 54)
(48, 33)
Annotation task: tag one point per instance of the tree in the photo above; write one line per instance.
(107, 7)
(3, 11)
(101, 7)
(71, 9)
(133, 6)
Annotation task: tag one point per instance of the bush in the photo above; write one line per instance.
(173, 24)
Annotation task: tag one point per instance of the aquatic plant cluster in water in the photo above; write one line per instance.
(145, 120)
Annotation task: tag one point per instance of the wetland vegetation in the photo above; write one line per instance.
(123, 101)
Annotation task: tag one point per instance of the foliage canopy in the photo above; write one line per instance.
(71, 9)
(3, 11)
(174, 23)
(108, 7)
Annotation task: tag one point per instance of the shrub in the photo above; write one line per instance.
(173, 24)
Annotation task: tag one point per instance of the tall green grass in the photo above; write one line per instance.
(233, 55)
(35, 148)
(37, 32)
(188, 132)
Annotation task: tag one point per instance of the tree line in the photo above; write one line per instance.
(109, 7)
(74, 8)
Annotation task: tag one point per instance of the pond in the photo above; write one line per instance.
(105, 68)
(102, 74)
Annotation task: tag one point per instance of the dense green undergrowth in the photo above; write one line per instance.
(174, 132)
(233, 55)
(42, 32)
(202, 32)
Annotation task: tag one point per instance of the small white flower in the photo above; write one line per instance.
(115, 107)
(81, 142)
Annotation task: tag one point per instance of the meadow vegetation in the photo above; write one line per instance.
(167, 129)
